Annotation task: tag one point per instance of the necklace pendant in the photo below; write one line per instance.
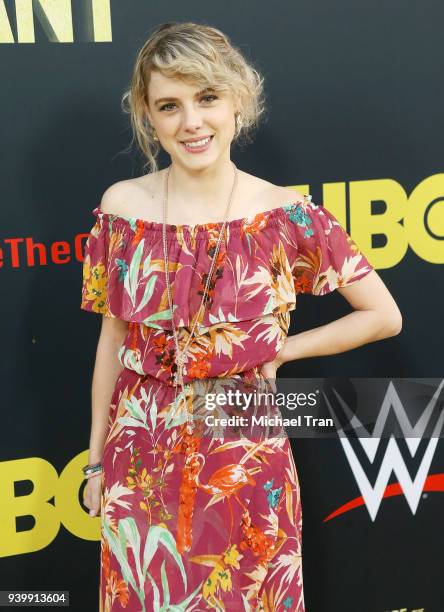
(180, 360)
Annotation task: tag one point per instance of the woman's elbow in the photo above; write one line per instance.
(392, 323)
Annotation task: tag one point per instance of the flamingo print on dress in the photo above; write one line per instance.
(222, 484)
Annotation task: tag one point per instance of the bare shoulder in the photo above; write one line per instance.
(116, 196)
(130, 196)
(267, 195)
(285, 195)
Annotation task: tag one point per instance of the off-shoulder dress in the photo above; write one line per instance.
(190, 522)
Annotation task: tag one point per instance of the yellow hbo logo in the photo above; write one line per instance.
(47, 484)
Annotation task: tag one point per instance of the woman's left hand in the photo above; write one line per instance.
(270, 368)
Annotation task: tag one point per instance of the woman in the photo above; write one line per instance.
(196, 268)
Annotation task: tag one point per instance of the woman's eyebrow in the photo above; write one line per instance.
(199, 93)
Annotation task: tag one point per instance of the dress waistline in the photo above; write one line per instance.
(250, 375)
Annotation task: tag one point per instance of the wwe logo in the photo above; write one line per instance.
(392, 460)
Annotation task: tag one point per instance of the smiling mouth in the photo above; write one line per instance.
(196, 144)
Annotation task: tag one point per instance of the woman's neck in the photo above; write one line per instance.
(204, 192)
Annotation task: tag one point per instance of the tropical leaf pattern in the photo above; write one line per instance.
(188, 521)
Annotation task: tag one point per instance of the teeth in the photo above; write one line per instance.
(198, 143)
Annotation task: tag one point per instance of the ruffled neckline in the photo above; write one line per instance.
(269, 216)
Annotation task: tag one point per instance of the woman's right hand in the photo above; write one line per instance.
(92, 494)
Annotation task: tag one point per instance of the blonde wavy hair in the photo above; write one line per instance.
(200, 55)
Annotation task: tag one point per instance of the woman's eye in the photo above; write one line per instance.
(165, 105)
(208, 98)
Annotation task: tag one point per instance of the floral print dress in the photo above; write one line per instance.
(194, 522)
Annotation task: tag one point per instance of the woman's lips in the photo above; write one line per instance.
(199, 149)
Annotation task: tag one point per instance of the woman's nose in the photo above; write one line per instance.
(192, 119)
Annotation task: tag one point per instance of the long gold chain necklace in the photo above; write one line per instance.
(181, 355)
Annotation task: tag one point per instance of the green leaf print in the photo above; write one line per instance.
(178, 413)
(153, 414)
(153, 408)
(183, 605)
(137, 416)
(268, 309)
(159, 535)
(149, 288)
(134, 408)
(247, 607)
(128, 537)
(163, 315)
(129, 534)
(166, 589)
(117, 545)
(120, 555)
(131, 279)
(130, 422)
(147, 266)
(156, 594)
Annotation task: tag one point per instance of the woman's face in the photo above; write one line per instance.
(180, 112)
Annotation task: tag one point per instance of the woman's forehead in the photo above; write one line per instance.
(172, 87)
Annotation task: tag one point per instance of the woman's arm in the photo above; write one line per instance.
(106, 371)
(376, 316)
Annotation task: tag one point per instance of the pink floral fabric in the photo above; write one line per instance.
(189, 522)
